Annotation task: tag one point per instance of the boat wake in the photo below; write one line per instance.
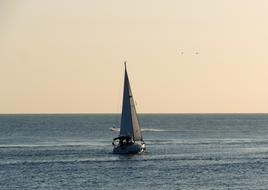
(154, 130)
(146, 129)
(114, 129)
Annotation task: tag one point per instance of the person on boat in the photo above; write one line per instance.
(121, 142)
(127, 141)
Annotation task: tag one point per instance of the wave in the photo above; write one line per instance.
(45, 145)
(149, 141)
(229, 142)
(145, 157)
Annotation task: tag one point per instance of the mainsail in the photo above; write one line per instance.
(129, 120)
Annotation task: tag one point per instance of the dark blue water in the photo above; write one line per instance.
(184, 151)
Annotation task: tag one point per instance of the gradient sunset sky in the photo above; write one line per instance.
(63, 56)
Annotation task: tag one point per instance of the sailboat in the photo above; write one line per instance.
(130, 140)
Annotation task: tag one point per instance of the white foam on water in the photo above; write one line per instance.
(147, 129)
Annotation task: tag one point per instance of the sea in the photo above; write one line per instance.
(184, 151)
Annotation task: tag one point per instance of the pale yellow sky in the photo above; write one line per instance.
(67, 56)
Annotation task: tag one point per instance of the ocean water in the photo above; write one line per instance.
(184, 151)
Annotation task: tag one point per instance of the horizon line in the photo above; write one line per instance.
(103, 113)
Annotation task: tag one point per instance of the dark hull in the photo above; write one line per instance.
(134, 148)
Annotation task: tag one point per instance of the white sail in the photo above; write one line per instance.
(129, 120)
(135, 122)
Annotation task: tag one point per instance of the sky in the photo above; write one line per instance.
(183, 56)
